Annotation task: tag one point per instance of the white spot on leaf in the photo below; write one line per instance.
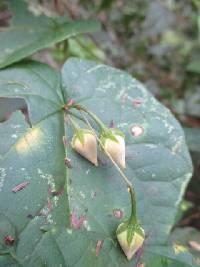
(137, 130)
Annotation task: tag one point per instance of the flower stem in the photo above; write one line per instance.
(74, 124)
(133, 217)
(92, 115)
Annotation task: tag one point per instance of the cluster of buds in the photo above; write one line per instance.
(130, 234)
(84, 142)
(130, 237)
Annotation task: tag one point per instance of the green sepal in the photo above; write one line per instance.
(139, 230)
(122, 227)
(80, 135)
(118, 132)
(131, 230)
(130, 233)
(110, 133)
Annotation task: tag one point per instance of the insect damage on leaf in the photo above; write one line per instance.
(76, 222)
(21, 186)
(99, 245)
(68, 162)
(55, 193)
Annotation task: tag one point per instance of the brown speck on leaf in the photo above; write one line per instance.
(137, 102)
(9, 240)
(112, 124)
(137, 130)
(46, 212)
(56, 193)
(19, 187)
(141, 265)
(118, 213)
(76, 222)
(99, 245)
(68, 162)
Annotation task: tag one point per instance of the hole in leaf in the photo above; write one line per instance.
(10, 105)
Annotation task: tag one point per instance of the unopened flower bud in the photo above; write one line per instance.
(131, 238)
(114, 144)
(85, 143)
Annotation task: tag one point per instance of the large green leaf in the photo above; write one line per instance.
(85, 196)
(28, 33)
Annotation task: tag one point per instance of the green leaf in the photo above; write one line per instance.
(29, 33)
(68, 217)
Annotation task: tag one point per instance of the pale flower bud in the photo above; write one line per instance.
(130, 238)
(116, 148)
(85, 143)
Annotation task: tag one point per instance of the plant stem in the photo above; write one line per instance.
(74, 124)
(133, 217)
(91, 114)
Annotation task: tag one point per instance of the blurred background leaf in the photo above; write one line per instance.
(29, 30)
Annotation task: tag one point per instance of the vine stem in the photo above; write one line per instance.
(133, 218)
